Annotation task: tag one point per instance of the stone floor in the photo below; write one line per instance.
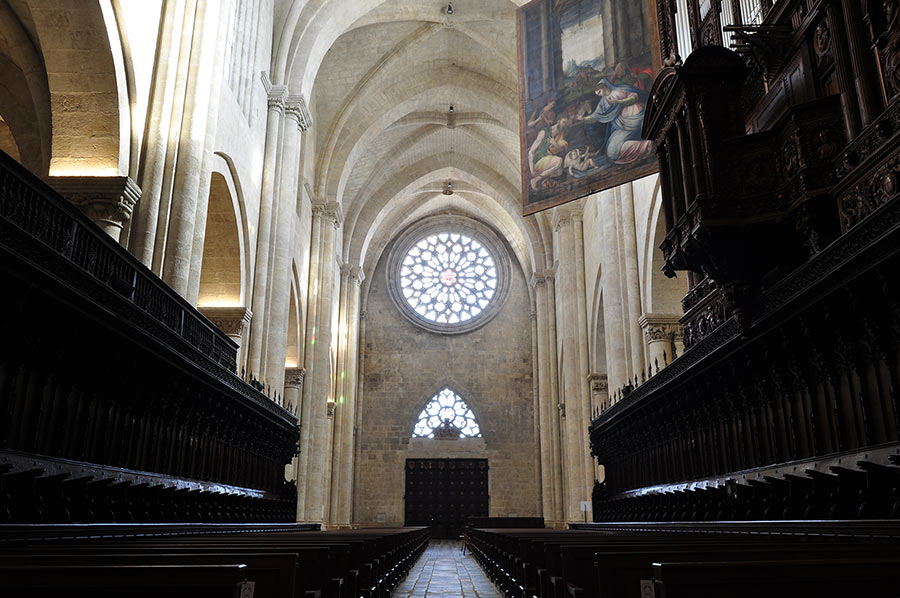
(443, 572)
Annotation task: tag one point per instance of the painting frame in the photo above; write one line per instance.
(533, 201)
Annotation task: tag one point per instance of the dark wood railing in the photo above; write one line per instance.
(115, 393)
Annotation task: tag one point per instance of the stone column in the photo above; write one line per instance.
(191, 147)
(276, 101)
(345, 422)
(663, 333)
(282, 247)
(209, 144)
(159, 119)
(329, 217)
(617, 357)
(107, 200)
(572, 393)
(631, 278)
(547, 402)
(581, 321)
(551, 354)
(230, 320)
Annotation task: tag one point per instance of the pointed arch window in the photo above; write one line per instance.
(447, 416)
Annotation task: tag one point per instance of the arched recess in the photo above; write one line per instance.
(662, 295)
(24, 95)
(294, 356)
(222, 275)
(598, 332)
(82, 52)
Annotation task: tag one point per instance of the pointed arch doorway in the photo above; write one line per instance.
(445, 493)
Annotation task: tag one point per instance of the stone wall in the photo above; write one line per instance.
(404, 366)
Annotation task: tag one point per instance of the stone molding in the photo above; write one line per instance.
(107, 200)
(330, 408)
(293, 377)
(230, 320)
(295, 107)
(659, 327)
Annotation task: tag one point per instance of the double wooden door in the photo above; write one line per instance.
(444, 493)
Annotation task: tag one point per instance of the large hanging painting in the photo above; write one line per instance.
(585, 71)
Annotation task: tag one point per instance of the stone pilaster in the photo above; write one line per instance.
(664, 335)
(107, 200)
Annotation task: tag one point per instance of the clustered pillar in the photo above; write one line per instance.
(315, 461)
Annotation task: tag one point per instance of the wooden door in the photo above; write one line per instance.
(444, 493)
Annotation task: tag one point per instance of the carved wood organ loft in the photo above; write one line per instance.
(779, 168)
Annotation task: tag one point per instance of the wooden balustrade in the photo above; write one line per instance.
(114, 392)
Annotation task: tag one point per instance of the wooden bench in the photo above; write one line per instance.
(284, 563)
(620, 564)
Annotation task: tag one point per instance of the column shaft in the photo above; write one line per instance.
(264, 232)
(191, 145)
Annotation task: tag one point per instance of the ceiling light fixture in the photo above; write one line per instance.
(448, 188)
(449, 8)
(451, 108)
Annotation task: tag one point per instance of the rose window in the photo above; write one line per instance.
(448, 278)
(447, 416)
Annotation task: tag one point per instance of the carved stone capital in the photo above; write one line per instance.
(330, 408)
(357, 275)
(330, 211)
(277, 98)
(598, 382)
(230, 320)
(295, 108)
(542, 277)
(106, 200)
(293, 377)
(660, 327)
(363, 314)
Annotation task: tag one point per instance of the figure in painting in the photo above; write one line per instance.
(622, 110)
(545, 157)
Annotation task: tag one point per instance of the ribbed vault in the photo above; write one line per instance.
(381, 78)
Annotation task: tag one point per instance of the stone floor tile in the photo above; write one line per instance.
(443, 572)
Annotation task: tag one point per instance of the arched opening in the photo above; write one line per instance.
(447, 415)
(292, 357)
(220, 276)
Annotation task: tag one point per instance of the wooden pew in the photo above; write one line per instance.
(38, 580)
(830, 578)
(343, 564)
(576, 563)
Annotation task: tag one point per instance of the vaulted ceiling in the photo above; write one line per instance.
(381, 77)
